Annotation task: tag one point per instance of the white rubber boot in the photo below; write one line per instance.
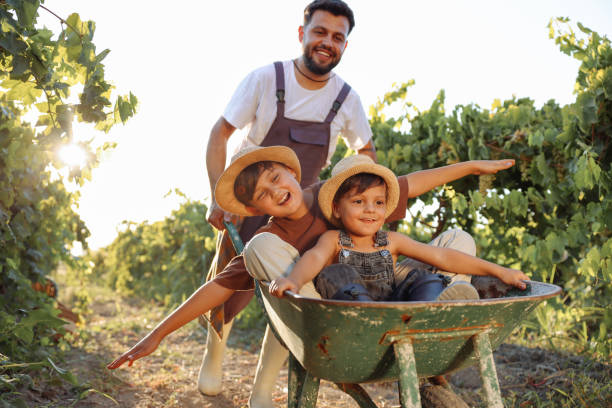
(271, 360)
(209, 379)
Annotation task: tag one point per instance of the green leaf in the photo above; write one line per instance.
(459, 203)
(26, 10)
(535, 139)
(586, 110)
(74, 22)
(65, 374)
(42, 315)
(24, 333)
(13, 43)
(20, 65)
(587, 173)
(26, 92)
(477, 199)
(583, 28)
(74, 52)
(11, 263)
(607, 82)
(102, 55)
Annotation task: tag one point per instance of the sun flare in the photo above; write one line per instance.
(73, 155)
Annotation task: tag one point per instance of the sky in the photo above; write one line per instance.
(184, 59)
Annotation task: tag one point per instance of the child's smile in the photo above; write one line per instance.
(278, 193)
(362, 214)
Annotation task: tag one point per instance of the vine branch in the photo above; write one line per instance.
(63, 21)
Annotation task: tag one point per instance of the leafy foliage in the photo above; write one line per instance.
(38, 224)
(551, 214)
(164, 260)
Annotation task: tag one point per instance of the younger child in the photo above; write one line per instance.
(358, 260)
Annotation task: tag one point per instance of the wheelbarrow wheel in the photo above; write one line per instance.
(438, 396)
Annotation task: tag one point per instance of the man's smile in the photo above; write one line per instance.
(323, 52)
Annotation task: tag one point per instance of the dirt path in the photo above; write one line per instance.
(167, 378)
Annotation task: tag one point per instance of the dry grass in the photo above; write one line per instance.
(167, 378)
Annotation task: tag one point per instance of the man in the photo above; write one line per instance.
(299, 103)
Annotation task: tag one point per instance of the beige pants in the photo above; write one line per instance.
(268, 257)
(454, 239)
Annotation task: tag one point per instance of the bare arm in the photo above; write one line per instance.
(368, 150)
(216, 155)
(455, 261)
(423, 181)
(209, 295)
(309, 265)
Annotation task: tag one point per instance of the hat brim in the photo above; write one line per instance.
(224, 189)
(331, 186)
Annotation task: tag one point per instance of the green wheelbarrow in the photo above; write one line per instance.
(349, 342)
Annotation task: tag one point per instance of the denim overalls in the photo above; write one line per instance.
(376, 269)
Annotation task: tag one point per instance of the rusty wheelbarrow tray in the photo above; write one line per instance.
(359, 342)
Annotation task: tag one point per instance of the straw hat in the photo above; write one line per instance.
(347, 167)
(224, 189)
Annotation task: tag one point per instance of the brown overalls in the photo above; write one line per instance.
(310, 141)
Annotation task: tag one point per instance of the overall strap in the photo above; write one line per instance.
(280, 88)
(338, 102)
(345, 240)
(381, 239)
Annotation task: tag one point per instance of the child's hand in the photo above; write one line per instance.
(143, 348)
(514, 278)
(491, 166)
(280, 285)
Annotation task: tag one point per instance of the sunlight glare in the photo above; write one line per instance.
(73, 155)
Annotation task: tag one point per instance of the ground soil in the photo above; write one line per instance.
(167, 378)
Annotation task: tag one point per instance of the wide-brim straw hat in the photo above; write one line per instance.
(347, 167)
(224, 189)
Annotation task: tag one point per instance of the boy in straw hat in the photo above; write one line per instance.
(265, 180)
(357, 262)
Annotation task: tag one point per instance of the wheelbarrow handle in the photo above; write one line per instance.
(234, 236)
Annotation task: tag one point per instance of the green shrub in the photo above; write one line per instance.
(38, 224)
(551, 214)
(165, 260)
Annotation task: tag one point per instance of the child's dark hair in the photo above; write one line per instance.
(244, 186)
(335, 7)
(360, 182)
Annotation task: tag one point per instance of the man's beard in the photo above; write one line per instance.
(313, 66)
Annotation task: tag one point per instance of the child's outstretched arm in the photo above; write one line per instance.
(451, 260)
(423, 181)
(308, 266)
(209, 295)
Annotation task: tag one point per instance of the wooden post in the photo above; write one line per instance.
(488, 373)
(408, 380)
(303, 388)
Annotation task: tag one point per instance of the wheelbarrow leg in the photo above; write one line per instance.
(357, 392)
(303, 388)
(488, 373)
(408, 381)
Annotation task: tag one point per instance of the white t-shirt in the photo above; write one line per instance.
(254, 104)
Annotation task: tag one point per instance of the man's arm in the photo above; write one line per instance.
(368, 150)
(216, 154)
(423, 181)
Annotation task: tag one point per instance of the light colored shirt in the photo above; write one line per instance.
(254, 104)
